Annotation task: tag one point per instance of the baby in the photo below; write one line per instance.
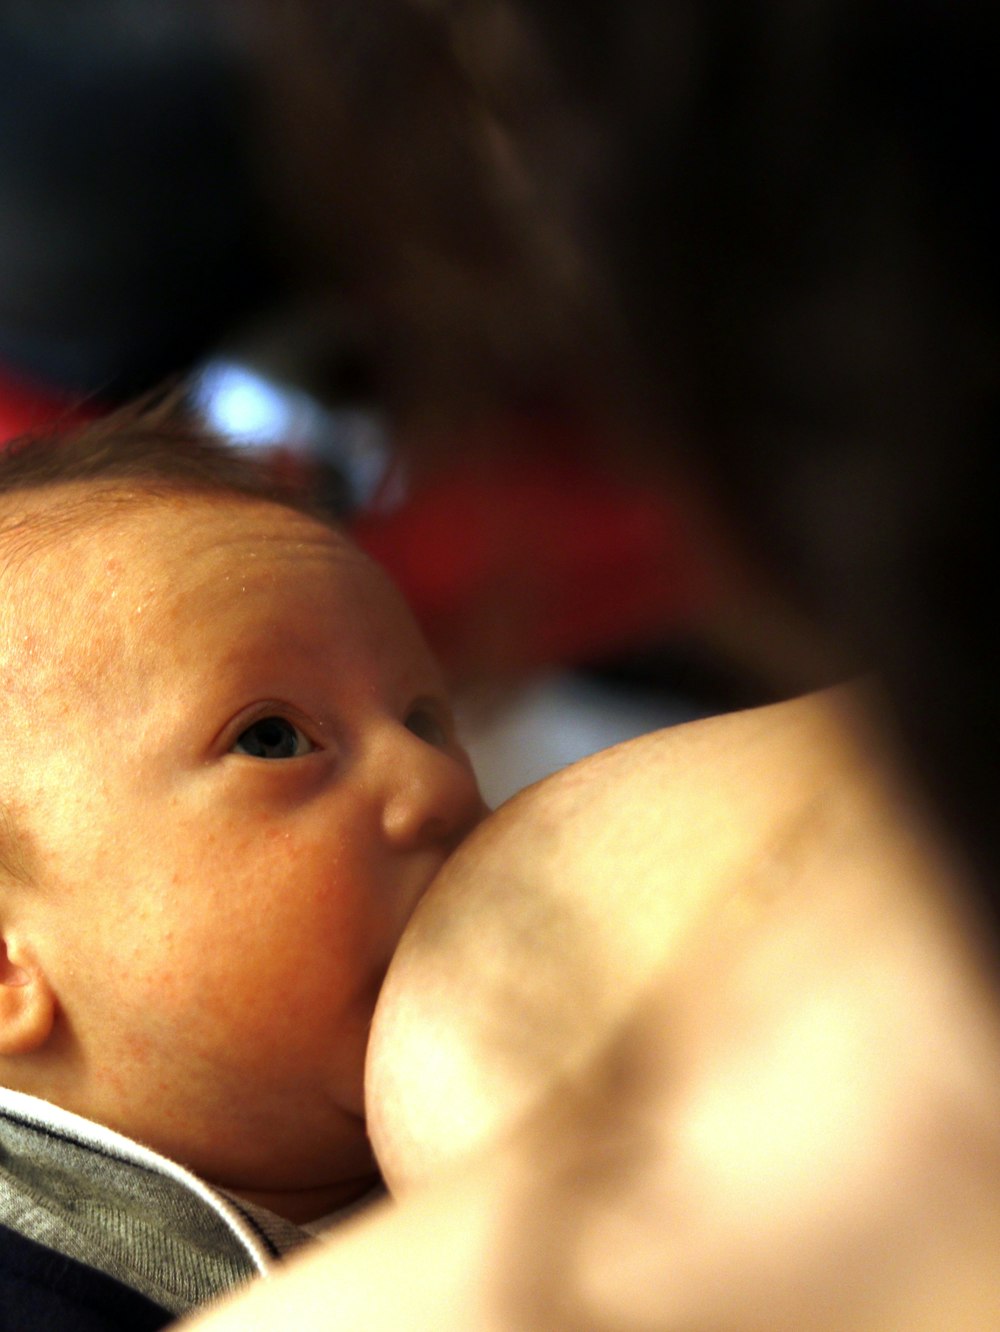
(229, 770)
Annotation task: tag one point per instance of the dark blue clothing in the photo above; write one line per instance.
(42, 1291)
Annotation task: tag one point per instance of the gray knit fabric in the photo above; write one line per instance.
(78, 1193)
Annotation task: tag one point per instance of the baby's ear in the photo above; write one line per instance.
(27, 1004)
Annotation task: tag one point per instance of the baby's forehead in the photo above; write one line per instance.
(210, 551)
(81, 563)
(155, 527)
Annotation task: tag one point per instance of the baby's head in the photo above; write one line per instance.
(228, 770)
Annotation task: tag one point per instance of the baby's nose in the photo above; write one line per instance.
(432, 798)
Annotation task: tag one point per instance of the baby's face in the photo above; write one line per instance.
(244, 776)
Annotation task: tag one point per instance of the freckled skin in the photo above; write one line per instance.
(215, 926)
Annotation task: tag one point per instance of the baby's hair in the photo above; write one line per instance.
(152, 447)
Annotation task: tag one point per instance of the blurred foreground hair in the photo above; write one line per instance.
(765, 229)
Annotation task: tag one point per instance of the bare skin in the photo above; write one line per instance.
(556, 916)
(787, 1116)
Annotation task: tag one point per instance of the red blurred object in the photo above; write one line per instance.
(25, 407)
(538, 555)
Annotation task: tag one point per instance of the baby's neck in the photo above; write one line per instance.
(303, 1206)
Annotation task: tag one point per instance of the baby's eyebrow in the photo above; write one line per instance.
(266, 643)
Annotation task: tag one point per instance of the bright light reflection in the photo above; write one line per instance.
(245, 407)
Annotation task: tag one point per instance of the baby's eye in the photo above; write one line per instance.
(272, 738)
(424, 722)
